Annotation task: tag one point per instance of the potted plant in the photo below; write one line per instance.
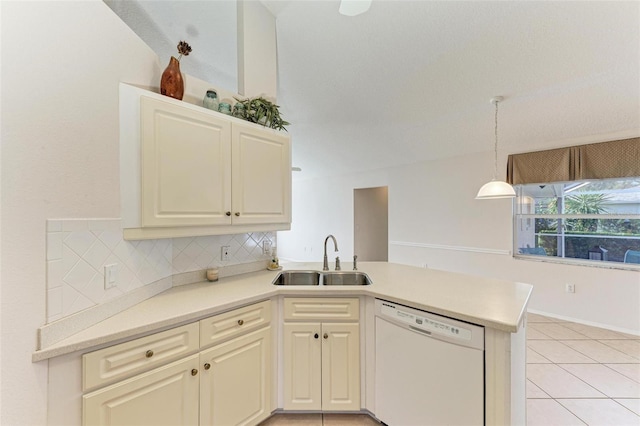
(262, 111)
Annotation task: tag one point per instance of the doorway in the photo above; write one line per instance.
(371, 223)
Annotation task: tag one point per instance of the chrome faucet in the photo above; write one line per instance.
(325, 264)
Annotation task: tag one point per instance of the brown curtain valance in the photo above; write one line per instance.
(594, 161)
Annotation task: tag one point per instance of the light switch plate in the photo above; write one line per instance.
(224, 253)
(110, 276)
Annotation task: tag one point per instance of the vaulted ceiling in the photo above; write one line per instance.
(410, 81)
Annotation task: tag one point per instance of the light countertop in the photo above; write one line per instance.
(488, 302)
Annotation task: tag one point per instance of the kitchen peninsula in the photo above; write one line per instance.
(497, 306)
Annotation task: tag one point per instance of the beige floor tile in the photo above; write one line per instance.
(601, 412)
(629, 347)
(632, 371)
(534, 357)
(535, 392)
(598, 351)
(559, 383)
(547, 412)
(606, 380)
(593, 332)
(631, 404)
(535, 334)
(293, 420)
(531, 317)
(557, 331)
(348, 420)
(558, 352)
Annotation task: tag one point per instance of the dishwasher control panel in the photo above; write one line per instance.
(426, 322)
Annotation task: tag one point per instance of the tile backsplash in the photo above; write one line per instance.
(79, 249)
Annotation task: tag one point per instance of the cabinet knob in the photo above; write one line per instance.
(207, 366)
(149, 354)
(237, 213)
(240, 322)
(194, 371)
(326, 336)
(315, 336)
(228, 213)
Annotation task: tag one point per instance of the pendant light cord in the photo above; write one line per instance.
(495, 147)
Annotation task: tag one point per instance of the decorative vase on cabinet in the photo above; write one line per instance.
(172, 84)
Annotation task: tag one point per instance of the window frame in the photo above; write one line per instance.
(517, 216)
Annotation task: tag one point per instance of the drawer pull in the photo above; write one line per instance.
(240, 322)
(149, 353)
(194, 372)
(228, 213)
(207, 366)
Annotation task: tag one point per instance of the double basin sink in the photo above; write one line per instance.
(322, 278)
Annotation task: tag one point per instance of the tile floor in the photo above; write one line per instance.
(320, 420)
(581, 375)
(576, 375)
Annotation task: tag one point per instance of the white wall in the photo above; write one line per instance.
(62, 62)
(257, 56)
(433, 204)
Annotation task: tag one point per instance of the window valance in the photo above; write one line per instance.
(603, 160)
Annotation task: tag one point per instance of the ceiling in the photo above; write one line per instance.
(410, 81)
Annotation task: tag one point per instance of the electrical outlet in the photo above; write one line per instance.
(266, 247)
(110, 276)
(224, 253)
(425, 265)
(570, 288)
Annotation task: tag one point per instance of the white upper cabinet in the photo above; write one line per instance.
(188, 171)
(261, 176)
(186, 166)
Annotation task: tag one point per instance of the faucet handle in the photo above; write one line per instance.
(338, 263)
(355, 262)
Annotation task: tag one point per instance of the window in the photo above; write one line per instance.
(591, 222)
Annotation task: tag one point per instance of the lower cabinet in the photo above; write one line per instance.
(226, 384)
(165, 396)
(321, 364)
(235, 386)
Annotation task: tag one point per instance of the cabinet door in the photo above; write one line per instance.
(261, 176)
(165, 396)
(186, 166)
(235, 387)
(340, 367)
(302, 374)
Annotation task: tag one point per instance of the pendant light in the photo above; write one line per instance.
(496, 188)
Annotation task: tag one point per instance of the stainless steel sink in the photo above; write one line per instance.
(326, 278)
(346, 278)
(298, 278)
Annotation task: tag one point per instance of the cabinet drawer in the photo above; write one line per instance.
(233, 323)
(129, 358)
(315, 308)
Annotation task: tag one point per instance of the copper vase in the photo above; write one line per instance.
(171, 83)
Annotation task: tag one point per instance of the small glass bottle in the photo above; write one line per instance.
(210, 100)
(238, 110)
(224, 108)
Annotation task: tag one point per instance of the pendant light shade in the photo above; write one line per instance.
(495, 188)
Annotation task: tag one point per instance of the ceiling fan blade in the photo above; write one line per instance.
(354, 7)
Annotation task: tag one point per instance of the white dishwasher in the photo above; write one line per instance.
(429, 368)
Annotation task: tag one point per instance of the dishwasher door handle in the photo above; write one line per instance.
(419, 330)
